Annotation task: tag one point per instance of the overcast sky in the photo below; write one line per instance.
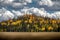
(10, 9)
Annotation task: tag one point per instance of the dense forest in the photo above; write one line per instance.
(30, 23)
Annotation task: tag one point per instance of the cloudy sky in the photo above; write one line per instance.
(10, 9)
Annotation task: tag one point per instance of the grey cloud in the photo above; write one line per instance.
(28, 7)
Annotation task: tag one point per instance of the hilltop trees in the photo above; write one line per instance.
(30, 23)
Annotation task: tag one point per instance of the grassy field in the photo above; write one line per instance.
(30, 23)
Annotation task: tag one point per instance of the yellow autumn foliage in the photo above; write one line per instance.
(3, 23)
(26, 21)
(8, 24)
(13, 23)
(18, 21)
(43, 28)
(50, 28)
(53, 21)
(30, 21)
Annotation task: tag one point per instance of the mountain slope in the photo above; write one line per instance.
(30, 23)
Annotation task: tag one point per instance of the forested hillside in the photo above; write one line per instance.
(30, 23)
